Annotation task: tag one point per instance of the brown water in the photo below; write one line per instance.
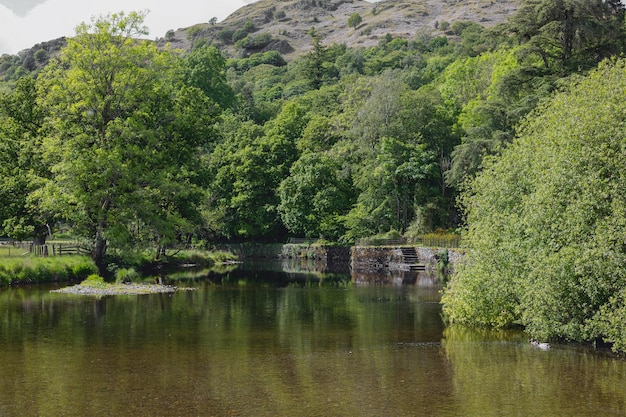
(255, 343)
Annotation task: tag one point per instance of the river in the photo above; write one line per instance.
(253, 342)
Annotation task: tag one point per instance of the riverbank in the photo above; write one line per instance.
(30, 269)
(36, 270)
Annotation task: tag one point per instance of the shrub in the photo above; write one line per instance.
(125, 275)
(94, 280)
(546, 222)
(354, 20)
(254, 42)
(225, 35)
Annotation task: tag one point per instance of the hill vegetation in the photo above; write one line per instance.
(132, 144)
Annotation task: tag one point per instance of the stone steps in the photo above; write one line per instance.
(410, 258)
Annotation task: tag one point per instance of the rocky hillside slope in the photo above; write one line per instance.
(283, 25)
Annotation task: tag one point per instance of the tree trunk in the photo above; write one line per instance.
(99, 250)
(100, 244)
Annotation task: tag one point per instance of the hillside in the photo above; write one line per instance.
(283, 25)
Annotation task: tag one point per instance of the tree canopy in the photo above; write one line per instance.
(122, 137)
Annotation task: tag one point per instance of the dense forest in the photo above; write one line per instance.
(129, 145)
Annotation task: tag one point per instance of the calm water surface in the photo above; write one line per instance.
(254, 343)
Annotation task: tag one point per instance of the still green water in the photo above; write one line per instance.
(254, 343)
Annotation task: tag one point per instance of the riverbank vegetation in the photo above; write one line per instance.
(546, 221)
(34, 270)
(135, 147)
(121, 267)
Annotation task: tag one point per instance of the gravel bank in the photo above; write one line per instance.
(117, 289)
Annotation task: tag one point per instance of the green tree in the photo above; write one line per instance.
(428, 122)
(204, 68)
(316, 66)
(380, 114)
(247, 169)
(390, 188)
(546, 221)
(123, 138)
(568, 34)
(484, 122)
(22, 170)
(315, 196)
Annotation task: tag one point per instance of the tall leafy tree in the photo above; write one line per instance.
(247, 169)
(391, 188)
(380, 114)
(123, 138)
(22, 169)
(546, 222)
(204, 68)
(568, 34)
(315, 197)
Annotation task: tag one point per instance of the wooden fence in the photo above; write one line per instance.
(16, 249)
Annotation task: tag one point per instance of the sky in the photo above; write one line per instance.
(24, 23)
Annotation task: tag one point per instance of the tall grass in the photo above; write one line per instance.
(27, 270)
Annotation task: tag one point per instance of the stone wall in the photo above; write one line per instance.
(374, 258)
(333, 259)
(361, 259)
(430, 256)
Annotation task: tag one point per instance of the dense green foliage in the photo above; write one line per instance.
(546, 221)
(132, 146)
(122, 135)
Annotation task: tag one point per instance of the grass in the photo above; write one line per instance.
(17, 266)
(94, 281)
(8, 251)
(30, 269)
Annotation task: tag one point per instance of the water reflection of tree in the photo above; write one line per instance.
(498, 373)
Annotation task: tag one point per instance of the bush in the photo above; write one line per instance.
(238, 35)
(270, 58)
(546, 222)
(225, 35)
(254, 42)
(125, 275)
(94, 280)
(354, 20)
